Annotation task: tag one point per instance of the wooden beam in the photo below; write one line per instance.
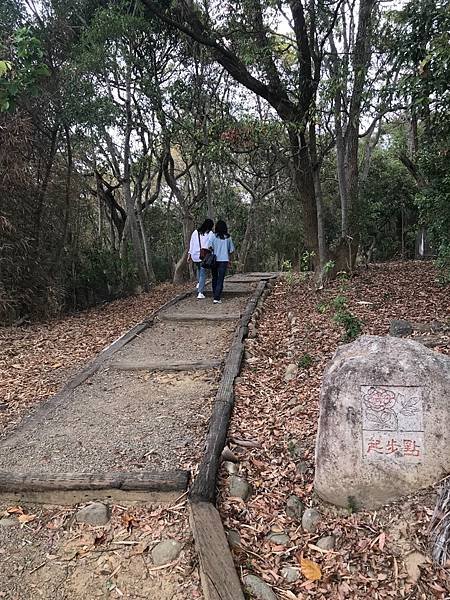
(237, 290)
(168, 365)
(200, 317)
(70, 488)
(218, 575)
(204, 487)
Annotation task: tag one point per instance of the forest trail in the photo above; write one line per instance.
(141, 417)
(147, 406)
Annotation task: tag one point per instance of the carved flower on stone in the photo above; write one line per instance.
(379, 399)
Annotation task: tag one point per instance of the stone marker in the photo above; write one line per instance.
(384, 425)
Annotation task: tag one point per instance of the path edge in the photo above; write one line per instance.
(219, 578)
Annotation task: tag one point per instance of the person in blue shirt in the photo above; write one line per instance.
(222, 246)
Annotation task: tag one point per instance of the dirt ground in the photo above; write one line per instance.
(53, 557)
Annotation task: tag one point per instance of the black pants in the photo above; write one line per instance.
(218, 275)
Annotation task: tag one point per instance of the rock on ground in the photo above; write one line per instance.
(400, 328)
(327, 542)
(384, 425)
(93, 514)
(234, 538)
(259, 588)
(291, 372)
(310, 520)
(294, 508)
(166, 552)
(279, 538)
(238, 487)
(290, 574)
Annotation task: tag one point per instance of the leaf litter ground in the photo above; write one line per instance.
(379, 554)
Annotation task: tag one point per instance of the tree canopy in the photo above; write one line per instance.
(318, 130)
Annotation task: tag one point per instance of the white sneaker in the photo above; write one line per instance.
(217, 301)
(196, 287)
(200, 296)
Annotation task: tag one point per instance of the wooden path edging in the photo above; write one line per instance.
(73, 488)
(219, 578)
(217, 573)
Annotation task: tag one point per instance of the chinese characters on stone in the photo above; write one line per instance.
(392, 423)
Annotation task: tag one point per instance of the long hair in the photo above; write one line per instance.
(221, 230)
(206, 227)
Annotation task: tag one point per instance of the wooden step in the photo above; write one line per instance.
(168, 365)
(200, 317)
(72, 488)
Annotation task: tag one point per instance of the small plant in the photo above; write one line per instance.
(305, 260)
(290, 276)
(322, 308)
(328, 266)
(343, 317)
(305, 361)
(339, 303)
(351, 324)
(286, 266)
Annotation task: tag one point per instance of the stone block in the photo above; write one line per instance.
(384, 425)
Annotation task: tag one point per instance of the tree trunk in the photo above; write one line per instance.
(126, 188)
(181, 269)
(248, 237)
(318, 194)
(146, 249)
(304, 182)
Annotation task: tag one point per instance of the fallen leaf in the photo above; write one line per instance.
(12, 510)
(23, 518)
(412, 564)
(310, 569)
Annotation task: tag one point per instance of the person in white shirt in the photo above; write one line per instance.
(200, 240)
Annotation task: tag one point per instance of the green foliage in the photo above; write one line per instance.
(99, 274)
(23, 71)
(420, 43)
(389, 216)
(322, 308)
(306, 260)
(351, 324)
(305, 361)
(290, 276)
(339, 302)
